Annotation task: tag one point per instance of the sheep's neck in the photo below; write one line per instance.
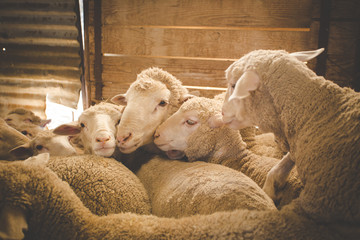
(231, 152)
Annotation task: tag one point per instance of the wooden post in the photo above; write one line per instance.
(325, 9)
(98, 50)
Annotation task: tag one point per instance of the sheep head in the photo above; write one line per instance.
(45, 142)
(193, 131)
(151, 99)
(21, 115)
(96, 127)
(246, 94)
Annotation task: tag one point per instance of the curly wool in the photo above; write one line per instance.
(314, 119)
(149, 78)
(225, 146)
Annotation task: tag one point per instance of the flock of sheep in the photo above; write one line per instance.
(161, 163)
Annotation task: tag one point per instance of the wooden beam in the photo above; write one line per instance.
(325, 9)
(98, 50)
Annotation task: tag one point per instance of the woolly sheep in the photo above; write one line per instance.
(189, 131)
(21, 115)
(262, 144)
(9, 138)
(45, 141)
(152, 98)
(26, 122)
(51, 210)
(317, 121)
(96, 128)
(178, 189)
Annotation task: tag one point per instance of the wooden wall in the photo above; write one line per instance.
(39, 54)
(194, 40)
(342, 59)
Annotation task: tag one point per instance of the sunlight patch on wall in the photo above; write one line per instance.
(60, 114)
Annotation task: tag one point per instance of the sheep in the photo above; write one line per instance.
(21, 115)
(26, 122)
(313, 119)
(152, 98)
(45, 141)
(49, 209)
(190, 132)
(96, 128)
(178, 189)
(9, 138)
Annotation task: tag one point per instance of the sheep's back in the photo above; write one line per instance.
(178, 189)
(104, 185)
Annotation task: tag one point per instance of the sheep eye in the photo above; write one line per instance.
(118, 122)
(8, 120)
(39, 147)
(233, 86)
(162, 103)
(24, 132)
(190, 122)
(82, 125)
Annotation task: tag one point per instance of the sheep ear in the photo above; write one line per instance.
(215, 121)
(249, 81)
(307, 55)
(43, 123)
(68, 129)
(12, 223)
(119, 99)
(22, 152)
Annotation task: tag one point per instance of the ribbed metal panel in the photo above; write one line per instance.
(39, 54)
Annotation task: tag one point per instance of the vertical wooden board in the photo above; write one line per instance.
(278, 13)
(345, 9)
(198, 43)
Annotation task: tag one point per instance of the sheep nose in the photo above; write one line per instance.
(103, 139)
(124, 138)
(157, 134)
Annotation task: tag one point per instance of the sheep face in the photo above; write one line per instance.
(96, 127)
(191, 130)
(98, 133)
(147, 107)
(21, 116)
(172, 135)
(45, 142)
(9, 138)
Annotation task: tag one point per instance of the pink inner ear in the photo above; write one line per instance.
(119, 99)
(67, 130)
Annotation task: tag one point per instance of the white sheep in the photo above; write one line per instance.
(178, 189)
(45, 142)
(26, 122)
(47, 208)
(190, 131)
(96, 128)
(315, 120)
(152, 98)
(9, 139)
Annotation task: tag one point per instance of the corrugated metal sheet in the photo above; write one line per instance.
(39, 54)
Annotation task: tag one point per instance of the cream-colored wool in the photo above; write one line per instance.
(103, 184)
(317, 121)
(225, 146)
(21, 115)
(53, 211)
(9, 139)
(178, 189)
(150, 99)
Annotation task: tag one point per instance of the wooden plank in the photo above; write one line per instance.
(38, 30)
(38, 5)
(277, 13)
(198, 43)
(345, 10)
(37, 17)
(190, 72)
